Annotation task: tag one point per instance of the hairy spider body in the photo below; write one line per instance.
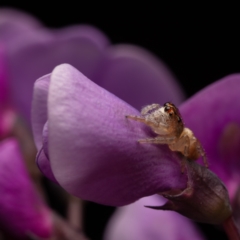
(166, 122)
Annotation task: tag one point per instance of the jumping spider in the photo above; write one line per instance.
(166, 121)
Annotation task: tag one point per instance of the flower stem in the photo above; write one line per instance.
(75, 212)
(63, 230)
(231, 229)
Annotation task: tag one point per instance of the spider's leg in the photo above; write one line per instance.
(137, 118)
(157, 140)
(186, 142)
(182, 145)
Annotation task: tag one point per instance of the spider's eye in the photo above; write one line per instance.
(166, 109)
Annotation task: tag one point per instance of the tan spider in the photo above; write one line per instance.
(166, 121)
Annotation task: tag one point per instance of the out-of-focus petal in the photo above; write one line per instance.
(137, 222)
(209, 114)
(93, 148)
(7, 115)
(15, 25)
(21, 209)
(129, 72)
(41, 50)
(4, 89)
(136, 76)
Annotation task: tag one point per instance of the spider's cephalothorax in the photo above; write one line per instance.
(166, 122)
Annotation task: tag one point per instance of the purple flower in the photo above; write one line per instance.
(40, 116)
(100, 148)
(90, 149)
(67, 102)
(22, 211)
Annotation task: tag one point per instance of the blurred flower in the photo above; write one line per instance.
(217, 126)
(33, 51)
(22, 211)
(7, 115)
(137, 222)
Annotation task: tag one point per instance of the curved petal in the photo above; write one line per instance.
(136, 76)
(39, 120)
(137, 222)
(39, 108)
(209, 114)
(42, 158)
(21, 209)
(44, 165)
(41, 50)
(93, 148)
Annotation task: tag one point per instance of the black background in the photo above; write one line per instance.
(199, 43)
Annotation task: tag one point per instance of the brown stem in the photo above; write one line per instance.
(74, 212)
(66, 232)
(231, 229)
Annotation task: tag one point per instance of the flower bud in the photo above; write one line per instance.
(204, 200)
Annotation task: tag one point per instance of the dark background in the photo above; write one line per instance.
(199, 43)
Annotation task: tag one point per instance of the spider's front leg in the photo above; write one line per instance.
(158, 140)
(137, 118)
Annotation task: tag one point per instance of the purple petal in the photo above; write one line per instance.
(7, 114)
(7, 121)
(39, 108)
(41, 50)
(21, 209)
(93, 148)
(209, 114)
(137, 222)
(39, 119)
(44, 165)
(136, 76)
(4, 89)
(43, 158)
(14, 25)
